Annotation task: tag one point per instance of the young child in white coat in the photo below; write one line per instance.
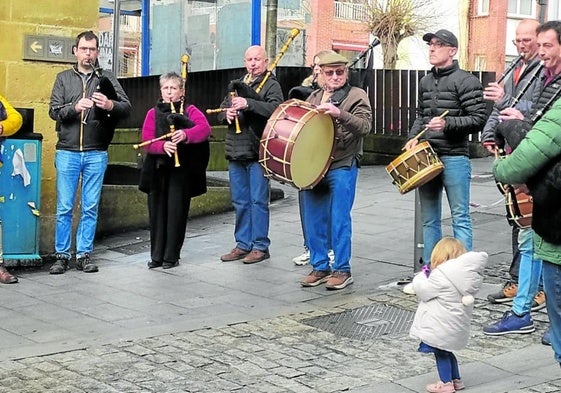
(446, 296)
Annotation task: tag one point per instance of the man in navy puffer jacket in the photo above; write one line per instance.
(447, 88)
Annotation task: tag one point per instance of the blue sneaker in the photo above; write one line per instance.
(511, 323)
(546, 338)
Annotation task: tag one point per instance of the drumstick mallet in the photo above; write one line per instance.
(420, 134)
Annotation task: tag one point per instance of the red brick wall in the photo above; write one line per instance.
(324, 30)
(487, 36)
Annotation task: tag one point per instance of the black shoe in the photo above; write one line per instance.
(169, 265)
(60, 265)
(153, 264)
(85, 264)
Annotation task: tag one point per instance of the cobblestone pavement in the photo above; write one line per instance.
(282, 354)
(262, 335)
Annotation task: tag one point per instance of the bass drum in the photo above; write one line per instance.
(297, 144)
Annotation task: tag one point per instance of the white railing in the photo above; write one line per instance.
(350, 11)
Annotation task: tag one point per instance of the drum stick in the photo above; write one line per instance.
(416, 137)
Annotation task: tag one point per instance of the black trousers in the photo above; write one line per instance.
(168, 208)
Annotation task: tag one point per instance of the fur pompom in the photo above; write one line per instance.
(467, 300)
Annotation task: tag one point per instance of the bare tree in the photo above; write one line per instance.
(393, 20)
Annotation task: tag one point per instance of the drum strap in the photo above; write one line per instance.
(339, 95)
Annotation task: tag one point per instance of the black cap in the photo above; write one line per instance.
(445, 36)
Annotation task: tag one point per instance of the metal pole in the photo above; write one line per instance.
(145, 43)
(271, 36)
(116, 23)
(418, 236)
(256, 22)
(543, 9)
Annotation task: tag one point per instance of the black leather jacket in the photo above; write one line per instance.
(68, 89)
(244, 146)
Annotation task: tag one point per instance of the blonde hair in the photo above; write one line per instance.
(447, 248)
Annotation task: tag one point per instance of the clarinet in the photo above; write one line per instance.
(527, 85)
(510, 68)
(540, 112)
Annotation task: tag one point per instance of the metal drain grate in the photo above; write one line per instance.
(133, 249)
(366, 322)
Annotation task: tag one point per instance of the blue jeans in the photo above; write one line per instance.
(552, 288)
(70, 165)
(455, 179)
(446, 362)
(327, 215)
(529, 273)
(250, 197)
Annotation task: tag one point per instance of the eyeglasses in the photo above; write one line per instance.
(339, 72)
(519, 41)
(85, 49)
(437, 44)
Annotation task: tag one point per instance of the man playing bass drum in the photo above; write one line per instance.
(327, 206)
(302, 92)
(248, 186)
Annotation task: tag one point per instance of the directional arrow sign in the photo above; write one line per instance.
(48, 48)
(36, 46)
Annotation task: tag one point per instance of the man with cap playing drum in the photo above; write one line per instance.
(447, 88)
(327, 207)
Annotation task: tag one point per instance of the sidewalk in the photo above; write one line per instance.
(208, 326)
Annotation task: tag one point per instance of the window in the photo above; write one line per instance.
(349, 10)
(483, 7)
(480, 63)
(524, 8)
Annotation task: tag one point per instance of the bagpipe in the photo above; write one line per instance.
(103, 86)
(242, 88)
(303, 92)
(175, 118)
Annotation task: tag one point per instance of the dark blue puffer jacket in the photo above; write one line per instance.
(459, 92)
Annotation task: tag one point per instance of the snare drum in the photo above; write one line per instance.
(519, 208)
(297, 144)
(415, 167)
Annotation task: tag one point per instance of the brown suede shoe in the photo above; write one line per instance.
(315, 278)
(339, 280)
(234, 255)
(6, 277)
(256, 256)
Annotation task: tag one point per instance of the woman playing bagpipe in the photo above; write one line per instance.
(174, 169)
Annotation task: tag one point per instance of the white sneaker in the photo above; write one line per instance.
(408, 289)
(303, 259)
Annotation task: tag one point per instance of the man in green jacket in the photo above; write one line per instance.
(536, 162)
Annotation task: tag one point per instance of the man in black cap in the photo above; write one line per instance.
(447, 88)
(327, 207)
